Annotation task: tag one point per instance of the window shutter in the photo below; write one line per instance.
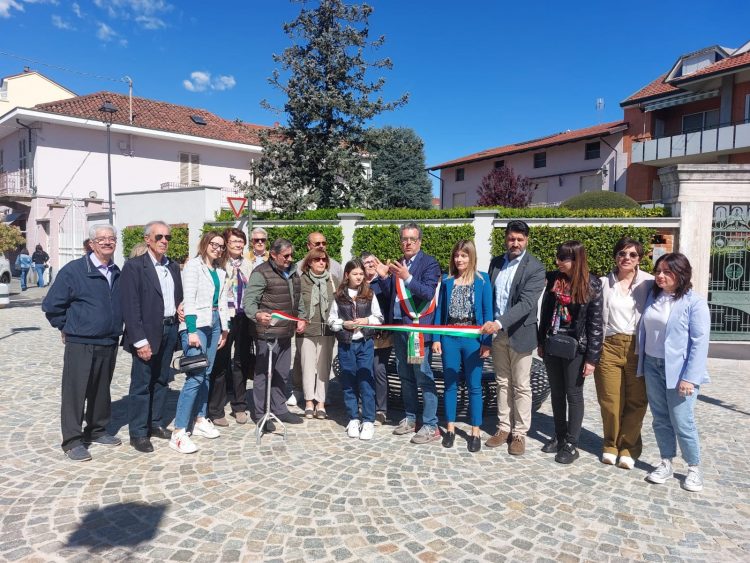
(194, 176)
(184, 168)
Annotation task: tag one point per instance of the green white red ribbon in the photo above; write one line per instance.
(415, 342)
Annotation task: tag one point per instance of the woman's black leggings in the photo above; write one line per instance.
(566, 390)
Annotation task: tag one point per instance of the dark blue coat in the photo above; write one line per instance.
(483, 303)
(82, 305)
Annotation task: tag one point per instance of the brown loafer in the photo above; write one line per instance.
(240, 417)
(220, 421)
(500, 438)
(517, 445)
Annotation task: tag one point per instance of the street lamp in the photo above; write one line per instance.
(109, 109)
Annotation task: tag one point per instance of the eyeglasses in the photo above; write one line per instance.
(157, 238)
(102, 240)
(217, 246)
(624, 254)
(286, 256)
(257, 240)
(319, 243)
(320, 259)
(237, 241)
(406, 240)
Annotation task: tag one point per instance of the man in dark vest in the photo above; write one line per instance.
(274, 286)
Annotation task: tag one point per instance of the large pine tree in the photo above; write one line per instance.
(316, 157)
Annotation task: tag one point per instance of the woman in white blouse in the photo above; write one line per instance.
(622, 395)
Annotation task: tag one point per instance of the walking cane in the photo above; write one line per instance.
(260, 428)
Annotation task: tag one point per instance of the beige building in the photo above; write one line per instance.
(28, 89)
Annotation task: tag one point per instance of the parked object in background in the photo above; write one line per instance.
(5, 274)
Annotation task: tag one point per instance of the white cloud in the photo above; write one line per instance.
(105, 33)
(150, 22)
(200, 81)
(144, 12)
(7, 5)
(76, 9)
(60, 23)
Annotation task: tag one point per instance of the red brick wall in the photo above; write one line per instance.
(738, 101)
(741, 158)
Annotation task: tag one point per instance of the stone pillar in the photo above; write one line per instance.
(692, 190)
(483, 219)
(348, 226)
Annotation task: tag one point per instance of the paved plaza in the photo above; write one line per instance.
(322, 496)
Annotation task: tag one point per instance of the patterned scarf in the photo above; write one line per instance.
(561, 289)
(236, 285)
(319, 294)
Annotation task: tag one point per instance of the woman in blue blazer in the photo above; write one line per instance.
(465, 299)
(673, 349)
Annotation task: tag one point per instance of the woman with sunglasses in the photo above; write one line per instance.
(203, 331)
(672, 355)
(315, 345)
(622, 395)
(570, 341)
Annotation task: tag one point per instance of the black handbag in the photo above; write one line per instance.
(561, 346)
(190, 364)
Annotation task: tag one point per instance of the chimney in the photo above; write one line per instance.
(26, 69)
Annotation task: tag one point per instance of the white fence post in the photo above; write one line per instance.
(483, 219)
(348, 223)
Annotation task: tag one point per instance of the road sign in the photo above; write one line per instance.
(237, 204)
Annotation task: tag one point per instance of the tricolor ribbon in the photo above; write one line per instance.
(415, 342)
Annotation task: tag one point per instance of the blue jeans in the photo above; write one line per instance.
(24, 273)
(357, 381)
(458, 351)
(39, 274)
(673, 414)
(414, 377)
(149, 383)
(193, 401)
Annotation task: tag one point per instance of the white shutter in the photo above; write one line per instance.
(184, 168)
(194, 176)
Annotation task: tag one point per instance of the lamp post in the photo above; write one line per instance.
(109, 109)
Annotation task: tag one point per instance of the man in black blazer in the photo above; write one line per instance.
(518, 280)
(151, 294)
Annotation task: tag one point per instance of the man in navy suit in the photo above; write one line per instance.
(151, 295)
(418, 275)
(518, 280)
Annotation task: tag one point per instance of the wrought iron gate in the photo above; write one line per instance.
(729, 281)
(71, 232)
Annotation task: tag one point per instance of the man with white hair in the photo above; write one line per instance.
(258, 246)
(84, 304)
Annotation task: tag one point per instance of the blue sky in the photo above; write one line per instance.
(480, 73)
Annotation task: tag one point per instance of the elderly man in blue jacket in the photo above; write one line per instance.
(84, 304)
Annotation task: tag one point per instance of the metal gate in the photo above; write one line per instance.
(729, 278)
(71, 232)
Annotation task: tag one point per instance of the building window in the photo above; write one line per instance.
(540, 160)
(747, 108)
(189, 169)
(593, 150)
(459, 174)
(459, 199)
(499, 163)
(700, 121)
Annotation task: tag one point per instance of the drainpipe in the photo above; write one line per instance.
(31, 155)
(614, 173)
(440, 178)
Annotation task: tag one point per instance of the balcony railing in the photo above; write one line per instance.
(257, 205)
(16, 183)
(725, 138)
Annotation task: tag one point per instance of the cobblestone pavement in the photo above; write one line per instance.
(322, 496)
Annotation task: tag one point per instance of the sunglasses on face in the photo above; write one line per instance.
(319, 243)
(217, 246)
(321, 259)
(157, 238)
(286, 256)
(624, 254)
(257, 240)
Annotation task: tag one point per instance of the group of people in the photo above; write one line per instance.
(644, 339)
(36, 261)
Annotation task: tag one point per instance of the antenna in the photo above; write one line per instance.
(600, 108)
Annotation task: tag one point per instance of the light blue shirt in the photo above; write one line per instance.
(503, 283)
(166, 283)
(104, 269)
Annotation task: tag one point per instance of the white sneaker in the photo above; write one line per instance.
(367, 432)
(181, 442)
(662, 472)
(291, 401)
(608, 458)
(694, 480)
(206, 429)
(626, 462)
(352, 429)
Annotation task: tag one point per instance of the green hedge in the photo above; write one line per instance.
(179, 246)
(599, 243)
(600, 200)
(298, 236)
(384, 242)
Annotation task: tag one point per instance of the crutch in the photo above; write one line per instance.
(260, 428)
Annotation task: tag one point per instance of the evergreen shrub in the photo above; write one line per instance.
(178, 246)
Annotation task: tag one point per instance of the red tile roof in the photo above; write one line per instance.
(659, 88)
(160, 116)
(548, 141)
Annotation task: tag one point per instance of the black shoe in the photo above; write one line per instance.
(552, 446)
(568, 454)
(142, 444)
(105, 440)
(475, 444)
(79, 453)
(269, 427)
(290, 418)
(160, 432)
(448, 439)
